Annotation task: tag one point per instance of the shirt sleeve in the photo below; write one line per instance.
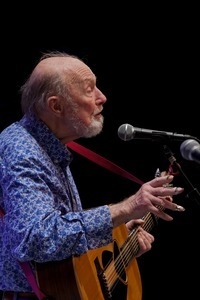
(38, 224)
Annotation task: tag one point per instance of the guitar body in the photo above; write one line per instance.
(99, 274)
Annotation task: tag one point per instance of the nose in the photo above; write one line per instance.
(100, 97)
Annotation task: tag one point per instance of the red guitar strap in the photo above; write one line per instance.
(102, 162)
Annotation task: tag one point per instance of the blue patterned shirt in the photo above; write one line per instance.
(44, 219)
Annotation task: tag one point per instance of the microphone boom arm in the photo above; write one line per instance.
(168, 153)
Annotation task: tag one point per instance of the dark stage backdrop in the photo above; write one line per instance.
(151, 81)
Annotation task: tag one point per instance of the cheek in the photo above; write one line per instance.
(85, 116)
(87, 109)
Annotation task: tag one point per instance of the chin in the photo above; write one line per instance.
(94, 130)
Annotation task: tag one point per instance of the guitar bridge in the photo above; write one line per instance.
(102, 280)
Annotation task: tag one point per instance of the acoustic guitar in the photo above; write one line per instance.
(109, 272)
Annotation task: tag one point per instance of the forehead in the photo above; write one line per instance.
(72, 68)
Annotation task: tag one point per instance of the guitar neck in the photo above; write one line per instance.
(149, 221)
(130, 248)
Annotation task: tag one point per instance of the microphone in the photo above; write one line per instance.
(190, 150)
(127, 132)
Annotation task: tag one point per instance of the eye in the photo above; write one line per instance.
(89, 86)
(89, 90)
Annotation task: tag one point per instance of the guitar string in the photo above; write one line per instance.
(122, 263)
(132, 251)
(129, 250)
(131, 246)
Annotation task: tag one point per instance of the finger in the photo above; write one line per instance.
(160, 181)
(163, 202)
(168, 198)
(173, 206)
(179, 208)
(145, 241)
(159, 212)
(143, 245)
(167, 191)
(146, 235)
(138, 221)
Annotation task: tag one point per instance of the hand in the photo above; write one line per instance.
(145, 239)
(154, 195)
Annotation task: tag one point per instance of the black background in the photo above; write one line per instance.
(147, 63)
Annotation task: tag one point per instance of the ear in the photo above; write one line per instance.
(55, 104)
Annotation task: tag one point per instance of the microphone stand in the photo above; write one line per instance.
(193, 191)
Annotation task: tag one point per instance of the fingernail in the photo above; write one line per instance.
(180, 208)
(179, 189)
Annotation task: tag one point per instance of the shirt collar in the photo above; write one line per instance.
(58, 152)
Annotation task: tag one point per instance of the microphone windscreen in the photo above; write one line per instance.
(187, 148)
(126, 132)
